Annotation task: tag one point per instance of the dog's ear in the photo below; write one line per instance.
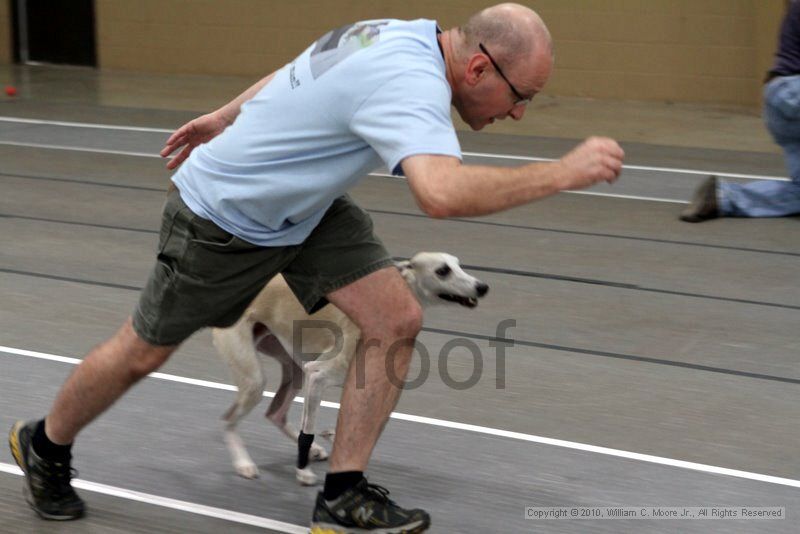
(402, 265)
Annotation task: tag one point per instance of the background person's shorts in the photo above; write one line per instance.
(205, 276)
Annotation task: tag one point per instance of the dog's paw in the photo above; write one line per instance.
(329, 434)
(317, 453)
(246, 469)
(306, 476)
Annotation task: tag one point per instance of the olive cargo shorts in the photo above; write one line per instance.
(205, 276)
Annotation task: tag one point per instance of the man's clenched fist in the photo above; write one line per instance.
(598, 159)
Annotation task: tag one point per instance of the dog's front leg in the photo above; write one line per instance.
(236, 346)
(242, 462)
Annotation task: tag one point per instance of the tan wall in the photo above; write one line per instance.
(6, 50)
(681, 50)
(768, 17)
(236, 36)
(685, 50)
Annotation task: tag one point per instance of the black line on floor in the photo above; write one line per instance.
(68, 279)
(593, 234)
(479, 268)
(75, 223)
(632, 287)
(466, 221)
(82, 182)
(615, 355)
(547, 276)
(619, 285)
(494, 339)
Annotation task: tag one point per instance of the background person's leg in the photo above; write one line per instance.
(765, 198)
(768, 198)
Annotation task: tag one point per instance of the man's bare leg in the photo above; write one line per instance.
(106, 373)
(42, 448)
(389, 317)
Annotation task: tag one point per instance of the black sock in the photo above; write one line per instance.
(338, 483)
(48, 450)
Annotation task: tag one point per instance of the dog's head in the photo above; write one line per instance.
(437, 278)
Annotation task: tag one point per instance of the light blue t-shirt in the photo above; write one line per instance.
(365, 93)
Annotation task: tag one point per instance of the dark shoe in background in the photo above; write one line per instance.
(704, 203)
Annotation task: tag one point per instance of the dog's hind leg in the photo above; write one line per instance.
(236, 345)
(291, 383)
(316, 383)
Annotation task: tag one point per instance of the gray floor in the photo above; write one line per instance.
(633, 331)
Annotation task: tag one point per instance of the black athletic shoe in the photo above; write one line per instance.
(366, 508)
(704, 203)
(47, 484)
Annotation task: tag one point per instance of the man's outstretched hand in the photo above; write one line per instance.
(195, 132)
(598, 159)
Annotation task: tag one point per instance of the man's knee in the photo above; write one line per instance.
(143, 362)
(410, 322)
(142, 357)
(382, 306)
(403, 322)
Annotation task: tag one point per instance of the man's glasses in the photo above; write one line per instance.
(521, 100)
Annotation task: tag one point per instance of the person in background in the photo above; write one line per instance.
(765, 198)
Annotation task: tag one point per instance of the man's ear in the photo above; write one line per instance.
(477, 68)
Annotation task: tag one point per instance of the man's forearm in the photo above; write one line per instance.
(473, 190)
(231, 110)
(443, 187)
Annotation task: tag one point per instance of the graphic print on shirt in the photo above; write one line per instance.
(337, 45)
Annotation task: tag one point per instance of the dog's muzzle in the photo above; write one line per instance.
(468, 302)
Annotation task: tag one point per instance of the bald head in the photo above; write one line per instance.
(498, 79)
(515, 31)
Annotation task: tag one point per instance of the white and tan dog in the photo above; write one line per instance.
(270, 326)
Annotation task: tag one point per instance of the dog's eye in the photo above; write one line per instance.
(441, 272)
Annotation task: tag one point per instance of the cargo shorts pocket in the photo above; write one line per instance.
(210, 251)
(207, 234)
(173, 218)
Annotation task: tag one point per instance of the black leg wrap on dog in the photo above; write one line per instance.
(304, 442)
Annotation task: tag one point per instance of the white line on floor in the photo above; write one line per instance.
(174, 504)
(81, 149)
(85, 125)
(378, 174)
(472, 154)
(472, 428)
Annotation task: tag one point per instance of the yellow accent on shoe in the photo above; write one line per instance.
(13, 441)
(320, 530)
